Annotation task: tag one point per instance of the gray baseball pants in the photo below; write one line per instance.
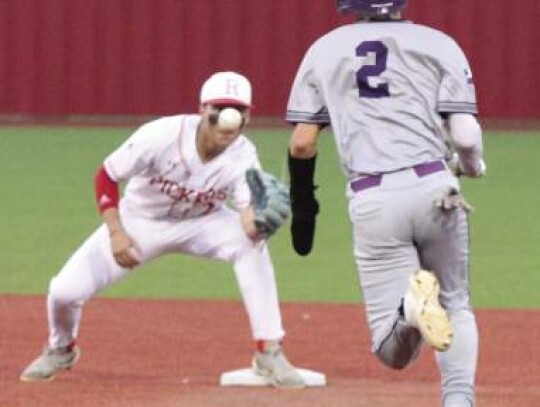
(397, 230)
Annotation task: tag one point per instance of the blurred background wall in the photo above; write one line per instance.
(149, 57)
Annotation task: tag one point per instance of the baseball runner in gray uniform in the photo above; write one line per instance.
(401, 103)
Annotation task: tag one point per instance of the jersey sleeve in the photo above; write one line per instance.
(134, 155)
(306, 103)
(241, 196)
(457, 92)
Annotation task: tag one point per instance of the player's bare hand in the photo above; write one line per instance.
(451, 199)
(124, 250)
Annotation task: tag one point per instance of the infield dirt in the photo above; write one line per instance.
(168, 353)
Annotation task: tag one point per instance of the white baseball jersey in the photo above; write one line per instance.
(384, 90)
(169, 190)
(166, 177)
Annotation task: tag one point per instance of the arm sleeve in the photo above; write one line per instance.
(106, 190)
(466, 135)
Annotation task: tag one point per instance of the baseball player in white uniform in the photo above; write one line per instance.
(180, 171)
(401, 103)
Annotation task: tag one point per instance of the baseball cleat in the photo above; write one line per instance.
(50, 362)
(273, 365)
(423, 310)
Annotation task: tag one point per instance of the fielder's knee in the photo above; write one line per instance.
(63, 294)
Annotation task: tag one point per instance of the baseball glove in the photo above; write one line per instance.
(270, 201)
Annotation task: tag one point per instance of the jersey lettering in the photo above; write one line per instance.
(188, 195)
(365, 49)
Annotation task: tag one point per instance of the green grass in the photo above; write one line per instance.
(48, 208)
(506, 224)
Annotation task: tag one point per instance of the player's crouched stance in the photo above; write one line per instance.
(180, 171)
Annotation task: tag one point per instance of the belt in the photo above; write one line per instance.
(421, 170)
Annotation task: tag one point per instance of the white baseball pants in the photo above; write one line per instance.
(218, 235)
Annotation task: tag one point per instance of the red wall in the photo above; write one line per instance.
(150, 56)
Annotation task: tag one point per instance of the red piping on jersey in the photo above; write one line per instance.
(106, 190)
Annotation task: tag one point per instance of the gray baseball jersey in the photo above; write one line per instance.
(383, 90)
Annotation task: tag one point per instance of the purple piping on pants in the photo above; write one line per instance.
(366, 182)
(421, 170)
(428, 168)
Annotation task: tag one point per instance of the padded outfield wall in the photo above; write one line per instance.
(131, 57)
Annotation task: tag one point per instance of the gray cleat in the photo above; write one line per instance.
(51, 361)
(272, 364)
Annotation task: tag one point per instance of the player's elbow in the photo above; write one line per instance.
(303, 143)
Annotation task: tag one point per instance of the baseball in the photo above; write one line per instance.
(229, 119)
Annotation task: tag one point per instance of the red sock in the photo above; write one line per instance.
(260, 345)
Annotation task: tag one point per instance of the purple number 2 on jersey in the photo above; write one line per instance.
(369, 71)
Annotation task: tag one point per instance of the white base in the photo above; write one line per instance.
(247, 377)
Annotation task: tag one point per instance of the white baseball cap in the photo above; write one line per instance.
(224, 88)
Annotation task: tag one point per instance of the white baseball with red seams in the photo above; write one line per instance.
(229, 119)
